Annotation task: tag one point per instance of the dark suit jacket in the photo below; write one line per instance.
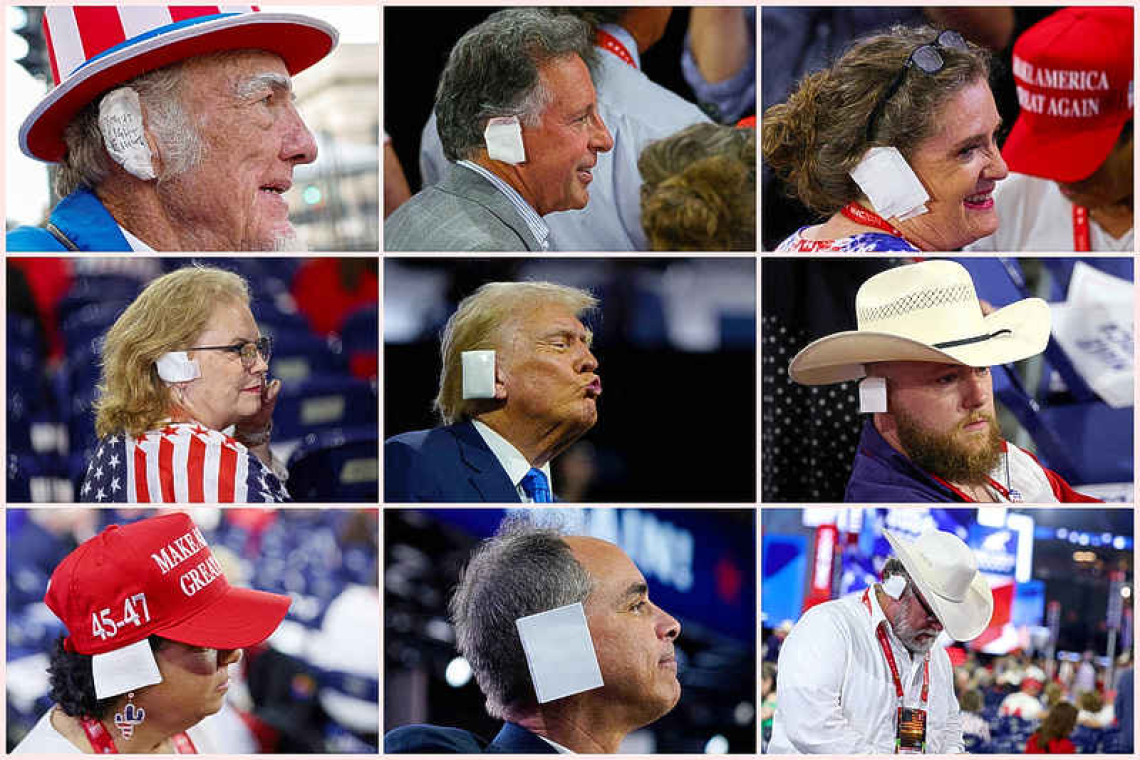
(444, 464)
(424, 739)
(464, 212)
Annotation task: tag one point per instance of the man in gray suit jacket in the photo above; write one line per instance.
(518, 116)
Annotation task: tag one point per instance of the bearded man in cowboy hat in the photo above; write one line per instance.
(174, 127)
(925, 348)
(861, 674)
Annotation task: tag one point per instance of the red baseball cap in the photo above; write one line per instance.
(93, 49)
(1073, 72)
(155, 576)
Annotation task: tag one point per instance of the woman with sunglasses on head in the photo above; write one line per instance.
(896, 144)
(184, 412)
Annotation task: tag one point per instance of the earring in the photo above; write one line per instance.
(130, 717)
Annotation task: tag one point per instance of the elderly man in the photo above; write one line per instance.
(637, 112)
(174, 128)
(524, 571)
(861, 674)
(518, 113)
(541, 391)
(925, 349)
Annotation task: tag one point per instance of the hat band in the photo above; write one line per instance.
(167, 29)
(975, 339)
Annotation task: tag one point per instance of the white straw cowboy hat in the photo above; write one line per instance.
(926, 312)
(945, 571)
(93, 49)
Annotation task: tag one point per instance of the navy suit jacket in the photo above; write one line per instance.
(424, 739)
(444, 464)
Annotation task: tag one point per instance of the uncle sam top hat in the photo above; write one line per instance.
(927, 312)
(93, 49)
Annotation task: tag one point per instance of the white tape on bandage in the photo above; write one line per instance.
(478, 374)
(503, 137)
(176, 367)
(890, 184)
(894, 586)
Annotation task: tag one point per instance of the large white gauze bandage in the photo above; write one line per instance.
(503, 136)
(177, 367)
(121, 122)
(890, 184)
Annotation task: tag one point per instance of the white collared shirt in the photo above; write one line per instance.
(512, 460)
(134, 242)
(537, 227)
(557, 747)
(836, 694)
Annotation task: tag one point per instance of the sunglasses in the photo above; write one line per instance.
(247, 350)
(925, 607)
(927, 59)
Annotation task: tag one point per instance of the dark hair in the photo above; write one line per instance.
(819, 134)
(72, 684)
(1058, 723)
(493, 70)
(894, 566)
(524, 569)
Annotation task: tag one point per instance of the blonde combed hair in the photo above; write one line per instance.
(479, 324)
(170, 313)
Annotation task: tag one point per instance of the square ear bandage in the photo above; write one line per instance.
(559, 652)
(478, 374)
(873, 394)
(890, 184)
(503, 137)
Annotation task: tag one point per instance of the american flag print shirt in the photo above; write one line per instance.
(184, 462)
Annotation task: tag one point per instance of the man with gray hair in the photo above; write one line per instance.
(518, 114)
(519, 385)
(174, 127)
(525, 571)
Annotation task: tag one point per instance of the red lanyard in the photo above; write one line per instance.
(857, 213)
(886, 646)
(1080, 228)
(613, 44)
(103, 744)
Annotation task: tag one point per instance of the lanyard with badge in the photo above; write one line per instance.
(103, 744)
(1080, 228)
(910, 722)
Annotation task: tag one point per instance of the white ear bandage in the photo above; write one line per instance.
(121, 122)
(559, 652)
(478, 374)
(176, 367)
(873, 394)
(503, 136)
(890, 184)
(894, 586)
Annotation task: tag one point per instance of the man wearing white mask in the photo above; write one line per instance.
(862, 674)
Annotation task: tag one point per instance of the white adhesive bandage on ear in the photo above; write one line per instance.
(176, 367)
(478, 374)
(121, 122)
(894, 586)
(559, 652)
(873, 394)
(503, 137)
(890, 184)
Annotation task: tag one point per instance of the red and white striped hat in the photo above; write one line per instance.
(95, 48)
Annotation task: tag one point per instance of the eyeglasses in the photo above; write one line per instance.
(927, 58)
(247, 350)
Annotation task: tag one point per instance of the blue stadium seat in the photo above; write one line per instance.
(323, 402)
(336, 466)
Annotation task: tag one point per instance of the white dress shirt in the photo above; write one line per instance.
(1034, 216)
(512, 460)
(834, 690)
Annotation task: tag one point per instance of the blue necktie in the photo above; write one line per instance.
(535, 486)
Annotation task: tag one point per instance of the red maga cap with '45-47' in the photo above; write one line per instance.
(153, 577)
